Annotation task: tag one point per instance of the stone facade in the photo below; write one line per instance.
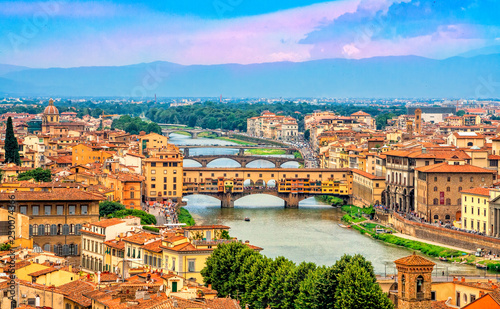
(414, 282)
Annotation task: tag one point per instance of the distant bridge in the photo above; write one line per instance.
(241, 148)
(243, 160)
(193, 132)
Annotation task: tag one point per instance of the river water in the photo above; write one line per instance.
(310, 233)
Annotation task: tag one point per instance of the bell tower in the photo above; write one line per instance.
(414, 282)
(418, 121)
(409, 128)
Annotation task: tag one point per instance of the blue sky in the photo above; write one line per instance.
(85, 33)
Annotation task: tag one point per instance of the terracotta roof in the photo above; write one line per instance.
(43, 272)
(107, 222)
(140, 238)
(447, 168)
(414, 260)
(153, 246)
(368, 175)
(477, 191)
(360, 113)
(59, 195)
(73, 291)
(439, 305)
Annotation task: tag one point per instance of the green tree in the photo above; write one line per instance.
(252, 279)
(293, 279)
(146, 219)
(38, 174)
(460, 113)
(11, 146)
(274, 285)
(223, 267)
(307, 134)
(357, 290)
(109, 207)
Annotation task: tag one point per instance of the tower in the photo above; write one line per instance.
(418, 121)
(50, 116)
(409, 128)
(414, 282)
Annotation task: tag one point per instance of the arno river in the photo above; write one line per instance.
(310, 233)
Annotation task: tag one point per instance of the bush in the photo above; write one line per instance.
(38, 174)
(431, 250)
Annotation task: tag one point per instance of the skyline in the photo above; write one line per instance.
(83, 33)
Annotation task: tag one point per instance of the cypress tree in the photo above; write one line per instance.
(11, 145)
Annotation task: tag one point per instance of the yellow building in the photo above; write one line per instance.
(21, 229)
(23, 269)
(475, 210)
(336, 186)
(367, 188)
(54, 276)
(163, 174)
(462, 292)
(86, 153)
(152, 141)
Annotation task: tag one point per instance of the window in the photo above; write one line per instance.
(435, 201)
(435, 189)
(60, 210)
(482, 179)
(35, 210)
(153, 164)
(436, 217)
(459, 189)
(72, 209)
(48, 210)
(173, 264)
(460, 179)
(84, 209)
(465, 209)
(23, 209)
(191, 264)
(448, 201)
(435, 179)
(420, 287)
(447, 189)
(448, 179)
(472, 179)
(152, 193)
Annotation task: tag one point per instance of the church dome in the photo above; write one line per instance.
(51, 109)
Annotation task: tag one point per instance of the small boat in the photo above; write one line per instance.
(247, 219)
(342, 225)
(442, 258)
(481, 266)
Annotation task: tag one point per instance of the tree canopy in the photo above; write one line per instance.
(38, 174)
(109, 207)
(134, 125)
(236, 270)
(146, 219)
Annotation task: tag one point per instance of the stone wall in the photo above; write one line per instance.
(443, 235)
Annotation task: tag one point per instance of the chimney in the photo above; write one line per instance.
(481, 294)
(462, 280)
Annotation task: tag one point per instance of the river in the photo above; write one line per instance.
(310, 233)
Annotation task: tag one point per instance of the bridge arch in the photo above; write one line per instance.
(285, 162)
(248, 183)
(191, 133)
(191, 163)
(204, 195)
(257, 163)
(228, 162)
(260, 184)
(272, 184)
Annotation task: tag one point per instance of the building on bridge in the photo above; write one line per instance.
(291, 185)
(163, 174)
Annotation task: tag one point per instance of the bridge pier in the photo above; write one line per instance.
(186, 152)
(227, 201)
(292, 201)
(241, 152)
(194, 135)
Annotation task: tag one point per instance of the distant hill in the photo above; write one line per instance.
(402, 77)
(488, 50)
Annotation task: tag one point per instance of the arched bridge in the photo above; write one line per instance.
(243, 160)
(193, 132)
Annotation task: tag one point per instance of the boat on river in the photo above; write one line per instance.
(247, 219)
(481, 266)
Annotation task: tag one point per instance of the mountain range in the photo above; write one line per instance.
(466, 76)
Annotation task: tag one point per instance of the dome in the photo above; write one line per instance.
(51, 109)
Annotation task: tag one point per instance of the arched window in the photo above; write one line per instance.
(470, 144)
(53, 229)
(59, 229)
(448, 201)
(447, 217)
(459, 201)
(459, 189)
(420, 287)
(41, 229)
(447, 189)
(30, 230)
(65, 249)
(46, 247)
(435, 201)
(65, 229)
(47, 229)
(435, 189)
(436, 217)
(72, 249)
(35, 229)
(461, 179)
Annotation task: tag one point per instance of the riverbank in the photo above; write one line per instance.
(185, 217)
(225, 138)
(359, 219)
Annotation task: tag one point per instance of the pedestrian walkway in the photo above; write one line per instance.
(432, 242)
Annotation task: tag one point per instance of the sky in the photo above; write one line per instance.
(62, 33)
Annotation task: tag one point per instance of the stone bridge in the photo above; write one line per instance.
(244, 160)
(227, 199)
(193, 132)
(241, 149)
